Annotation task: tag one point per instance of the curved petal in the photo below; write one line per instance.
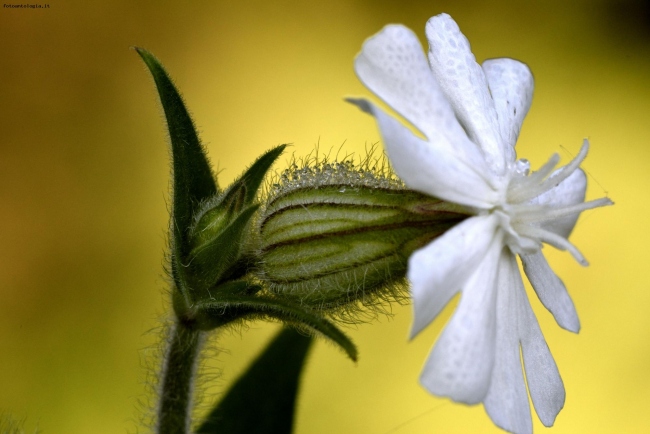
(551, 291)
(393, 66)
(439, 270)
(429, 167)
(511, 85)
(460, 364)
(507, 400)
(463, 82)
(544, 382)
(570, 191)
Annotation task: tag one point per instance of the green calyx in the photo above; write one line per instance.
(347, 240)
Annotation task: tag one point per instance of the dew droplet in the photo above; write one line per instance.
(522, 167)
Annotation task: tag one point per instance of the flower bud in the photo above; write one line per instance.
(218, 240)
(220, 235)
(328, 241)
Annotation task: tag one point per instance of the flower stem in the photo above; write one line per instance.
(177, 388)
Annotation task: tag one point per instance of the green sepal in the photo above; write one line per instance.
(226, 308)
(212, 260)
(331, 246)
(193, 180)
(263, 399)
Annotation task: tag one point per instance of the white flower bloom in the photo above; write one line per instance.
(469, 117)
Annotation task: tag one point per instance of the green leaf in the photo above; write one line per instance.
(213, 314)
(193, 180)
(242, 192)
(218, 211)
(263, 399)
(254, 176)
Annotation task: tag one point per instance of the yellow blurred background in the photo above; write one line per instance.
(84, 177)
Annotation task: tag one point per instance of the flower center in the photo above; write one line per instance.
(534, 211)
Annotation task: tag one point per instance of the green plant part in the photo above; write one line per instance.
(334, 234)
(211, 256)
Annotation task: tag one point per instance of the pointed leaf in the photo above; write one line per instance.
(193, 180)
(263, 399)
(242, 192)
(253, 177)
(214, 314)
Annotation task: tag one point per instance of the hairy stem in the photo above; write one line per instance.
(178, 375)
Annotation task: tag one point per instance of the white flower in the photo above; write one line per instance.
(469, 117)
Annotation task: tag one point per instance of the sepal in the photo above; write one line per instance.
(330, 246)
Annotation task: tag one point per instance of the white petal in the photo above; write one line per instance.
(551, 291)
(460, 364)
(507, 399)
(544, 381)
(439, 270)
(463, 82)
(511, 86)
(571, 191)
(393, 66)
(429, 167)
